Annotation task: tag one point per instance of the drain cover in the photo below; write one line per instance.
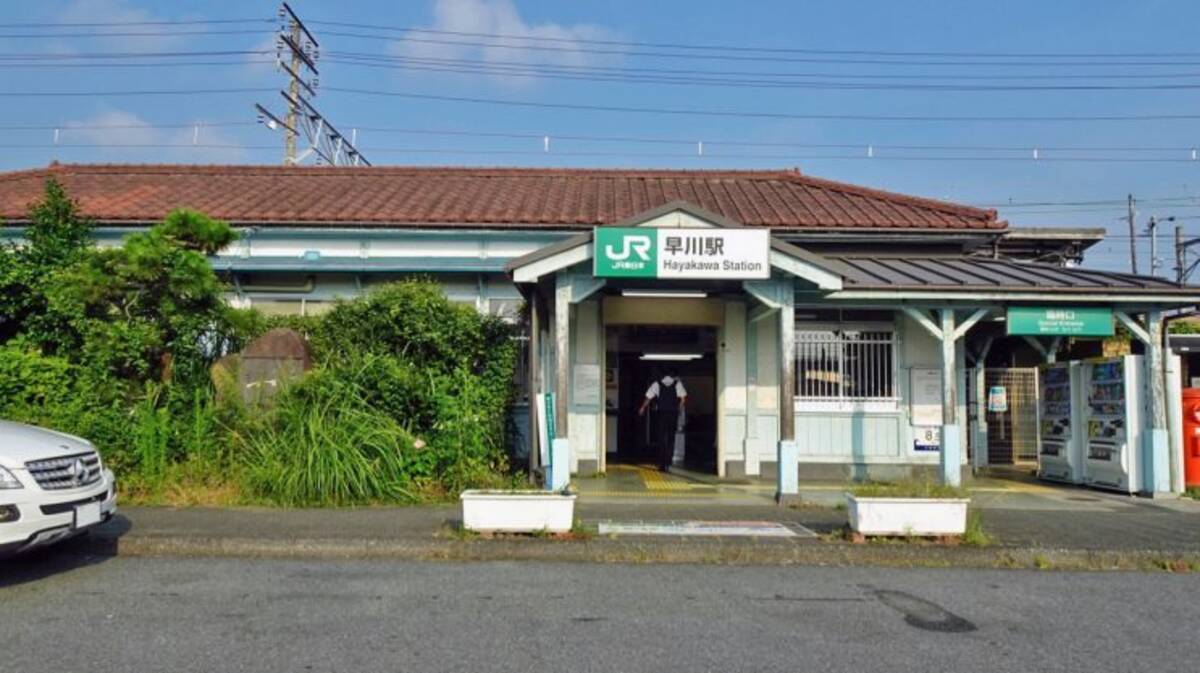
(705, 528)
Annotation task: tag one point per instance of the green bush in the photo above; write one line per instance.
(409, 401)
(31, 383)
(441, 369)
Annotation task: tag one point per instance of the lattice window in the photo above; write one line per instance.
(845, 363)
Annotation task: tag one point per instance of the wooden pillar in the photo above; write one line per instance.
(750, 445)
(560, 451)
(535, 382)
(787, 485)
(949, 387)
(562, 355)
(787, 372)
(1156, 466)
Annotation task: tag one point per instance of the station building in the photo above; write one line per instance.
(822, 329)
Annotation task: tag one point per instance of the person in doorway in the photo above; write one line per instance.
(671, 399)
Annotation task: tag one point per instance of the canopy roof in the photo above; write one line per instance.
(958, 277)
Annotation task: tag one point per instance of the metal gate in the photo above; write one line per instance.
(1012, 434)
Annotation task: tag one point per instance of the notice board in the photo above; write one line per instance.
(925, 398)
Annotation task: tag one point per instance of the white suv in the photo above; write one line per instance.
(52, 486)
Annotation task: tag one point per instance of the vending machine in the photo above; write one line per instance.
(1115, 404)
(1060, 425)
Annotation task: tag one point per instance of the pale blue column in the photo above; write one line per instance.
(1156, 467)
(951, 456)
(787, 481)
(560, 464)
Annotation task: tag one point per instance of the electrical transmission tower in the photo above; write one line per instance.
(325, 144)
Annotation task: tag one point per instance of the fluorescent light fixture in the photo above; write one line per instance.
(672, 357)
(666, 294)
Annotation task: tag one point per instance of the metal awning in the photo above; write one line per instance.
(961, 277)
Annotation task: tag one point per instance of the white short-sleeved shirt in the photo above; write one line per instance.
(654, 389)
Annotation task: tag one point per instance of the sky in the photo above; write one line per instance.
(926, 98)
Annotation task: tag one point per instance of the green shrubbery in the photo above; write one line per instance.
(408, 400)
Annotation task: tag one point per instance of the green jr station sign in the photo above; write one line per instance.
(1060, 321)
(646, 252)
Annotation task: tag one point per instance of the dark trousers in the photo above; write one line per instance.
(667, 423)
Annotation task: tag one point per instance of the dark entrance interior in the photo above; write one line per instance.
(640, 354)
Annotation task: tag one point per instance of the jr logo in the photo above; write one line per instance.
(630, 245)
(625, 252)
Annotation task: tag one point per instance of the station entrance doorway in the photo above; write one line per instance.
(638, 355)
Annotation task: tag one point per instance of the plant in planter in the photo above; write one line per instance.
(495, 511)
(918, 508)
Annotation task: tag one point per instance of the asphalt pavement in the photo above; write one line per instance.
(63, 611)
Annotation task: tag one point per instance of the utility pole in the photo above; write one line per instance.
(325, 144)
(1180, 254)
(1152, 229)
(1132, 238)
(289, 133)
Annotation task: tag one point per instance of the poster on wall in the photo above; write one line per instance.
(927, 438)
(997, 400)
(926, 396)
(587, 385)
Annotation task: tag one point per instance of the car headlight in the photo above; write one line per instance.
(8, 480)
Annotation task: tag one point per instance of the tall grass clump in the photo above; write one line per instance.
(322, 444)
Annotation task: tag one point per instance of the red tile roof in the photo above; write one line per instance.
(475, 197)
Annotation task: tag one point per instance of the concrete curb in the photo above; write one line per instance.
(675, 551)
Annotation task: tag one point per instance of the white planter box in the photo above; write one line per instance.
(517, 511)
(907, 516)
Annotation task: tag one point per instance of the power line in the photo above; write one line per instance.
(724, 142)
(627, 109)
(1120, 202)
(109, 66)
(704, 142)
(711, 47)
(572, 68)
(733, 57)
(129, 92)
(174, 33)
(148, 146)
(351, 56)
(580, 40)
(731, 142)
(762, 115)
(80, 56)
(100, 127)
(668, 155)
(100, 24)
(537, 72)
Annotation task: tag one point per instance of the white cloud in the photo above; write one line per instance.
(258, 64)
(501, 17)
(121, 11)
(120, 136)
